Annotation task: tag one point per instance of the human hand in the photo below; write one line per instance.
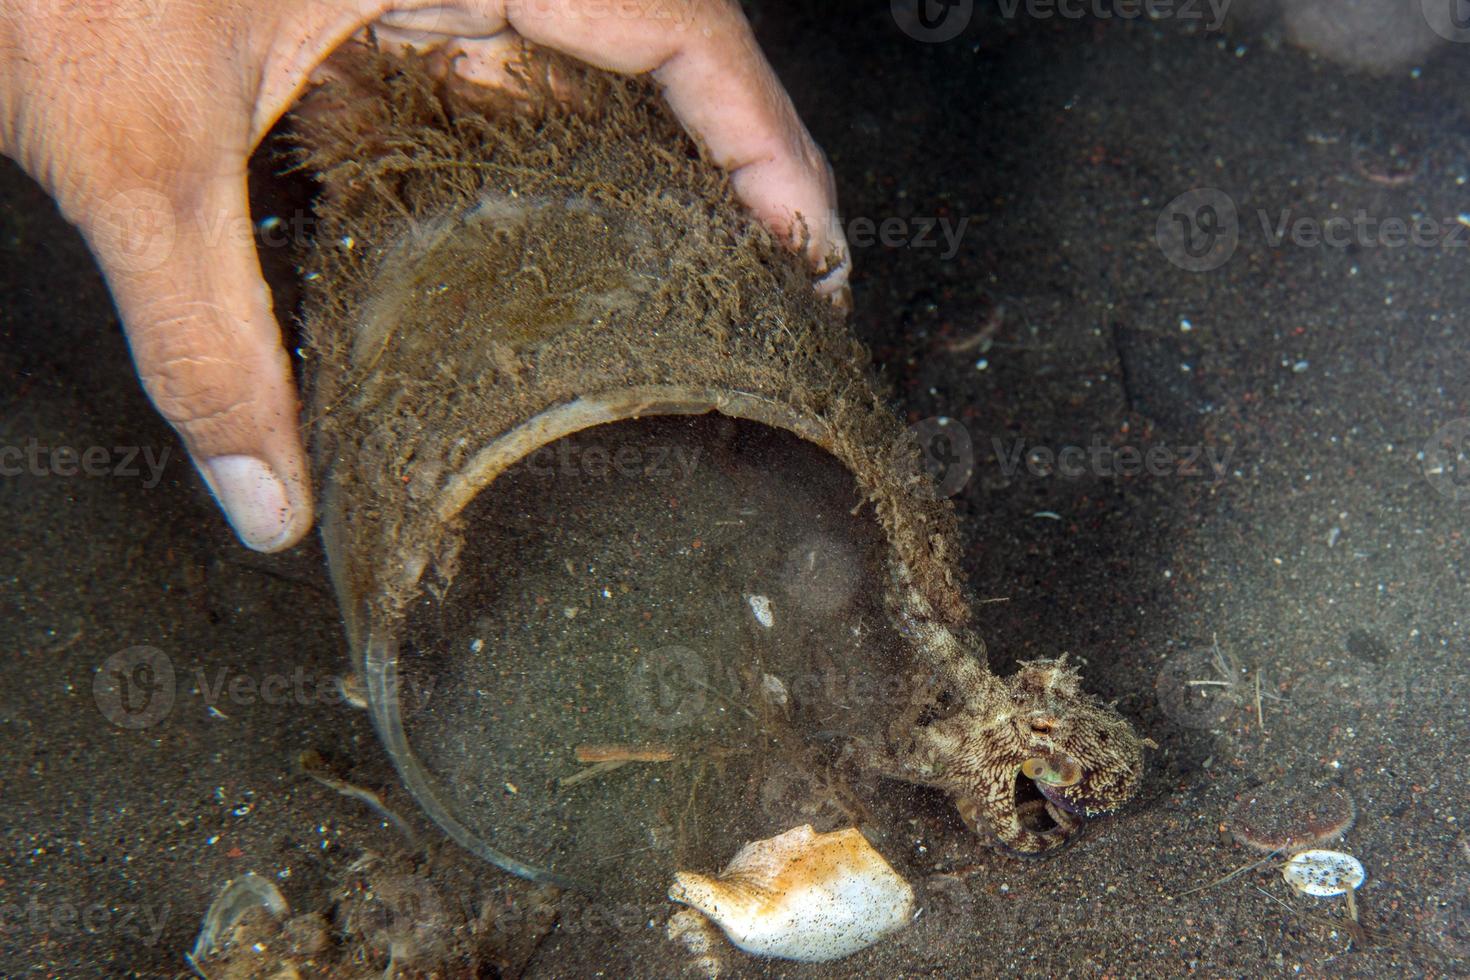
(139, 117)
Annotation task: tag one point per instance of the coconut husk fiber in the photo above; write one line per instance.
(494, 271)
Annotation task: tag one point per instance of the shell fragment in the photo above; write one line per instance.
(1323, 874)
(760, 606)
(802, 896)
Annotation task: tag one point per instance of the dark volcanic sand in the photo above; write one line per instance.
(1321, 556)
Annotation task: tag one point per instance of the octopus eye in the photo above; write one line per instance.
(1062, 771)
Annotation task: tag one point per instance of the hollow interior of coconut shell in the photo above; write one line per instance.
(481, 259)
(607, 598)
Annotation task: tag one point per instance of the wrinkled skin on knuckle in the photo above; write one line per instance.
(197, 392)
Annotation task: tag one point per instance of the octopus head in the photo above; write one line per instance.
(1059, 757)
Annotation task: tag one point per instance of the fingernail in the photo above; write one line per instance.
(252, 497)
(833, 284)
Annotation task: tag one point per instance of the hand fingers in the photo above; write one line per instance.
(701, 51)
(198, 317)
(721, 87)
(182, 265)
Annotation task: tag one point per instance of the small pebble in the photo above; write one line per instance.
(774, 690)
(761, 607)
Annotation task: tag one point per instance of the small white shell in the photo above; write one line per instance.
(802, 896)
(774, 690)
(761, 606)
(1323, 873)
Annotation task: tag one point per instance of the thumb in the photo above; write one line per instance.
(186, 279)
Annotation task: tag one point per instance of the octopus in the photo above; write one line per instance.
(1026, 758)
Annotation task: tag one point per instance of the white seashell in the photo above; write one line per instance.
(761, 606)
(802, 896)
(1323, 873)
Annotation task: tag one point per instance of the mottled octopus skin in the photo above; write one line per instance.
(995, 724)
